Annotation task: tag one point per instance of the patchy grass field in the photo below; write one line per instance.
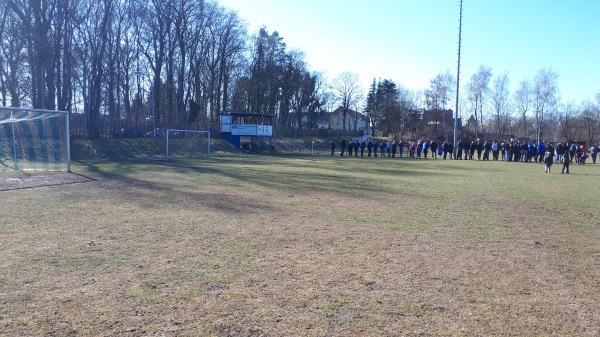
(301, 246)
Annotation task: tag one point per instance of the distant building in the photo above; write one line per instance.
(354, 120)
(322, 121)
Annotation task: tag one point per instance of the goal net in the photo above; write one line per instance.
(34, 140)
(184, 144)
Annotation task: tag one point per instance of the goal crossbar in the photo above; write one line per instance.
(188, 144)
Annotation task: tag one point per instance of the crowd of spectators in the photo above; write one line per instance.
(509, 151)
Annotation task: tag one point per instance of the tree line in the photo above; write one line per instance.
(142, 64)
(145, 64)
(487, 108)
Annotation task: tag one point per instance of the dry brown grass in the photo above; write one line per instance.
(259, 246)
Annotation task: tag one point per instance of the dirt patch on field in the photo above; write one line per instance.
(15, 181)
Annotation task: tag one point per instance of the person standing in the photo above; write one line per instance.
(472, 149)
(434, 149)
(566, 162)
(343, 146)
(388, 148)
(594, 153)
(583, 154)
(530, 151)
(516, 150)
(369, 147)
(394, 148)
(495, 149)
(445, 148)
(573, 150)
(548, 160)
(487, 147)
(540, 152)
(375, 147)
(356, 147)
(559, 152)
(350, 148)
(425, 148)
(332, 145)
(550, 148)
(523, 152)
(400, 148)
(459, 150)
(363, 145)
(382, 147)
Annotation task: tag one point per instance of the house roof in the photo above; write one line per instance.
(246, 114)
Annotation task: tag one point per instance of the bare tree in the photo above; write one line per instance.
(568, 116)
(590, 120)
(439, 94)
(523, 100)
(440, 91)
(499, 97)
(478, 88)
(545, 97)
(13, 59)
(92, 39)
(348, 92)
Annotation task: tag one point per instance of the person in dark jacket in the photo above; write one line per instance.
(446, 148)
(400, 148)
(566, 161)
(350, 148)
(332, 145)
(356, 147)
(516, 150)
(479, 150)
(472, 150)
(363, 145)
(434, 149)
(369, 148)
(459, 150)
(343, 146)
(550, 148)
(573, 150)
(487, 148)
(375, 148)
(523, 152)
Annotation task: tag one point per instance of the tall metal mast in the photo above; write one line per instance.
(457, 81)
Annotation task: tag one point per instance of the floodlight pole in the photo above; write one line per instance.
(457, 81)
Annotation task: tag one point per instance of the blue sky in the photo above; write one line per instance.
(411, 41)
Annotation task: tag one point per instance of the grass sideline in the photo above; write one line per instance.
(303, 246)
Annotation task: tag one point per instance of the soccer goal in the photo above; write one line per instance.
(34, 140)
(185, 144)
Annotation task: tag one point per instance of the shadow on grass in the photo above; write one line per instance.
(259, 174)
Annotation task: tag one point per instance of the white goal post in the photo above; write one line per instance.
(34, 140)
(185, 144)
